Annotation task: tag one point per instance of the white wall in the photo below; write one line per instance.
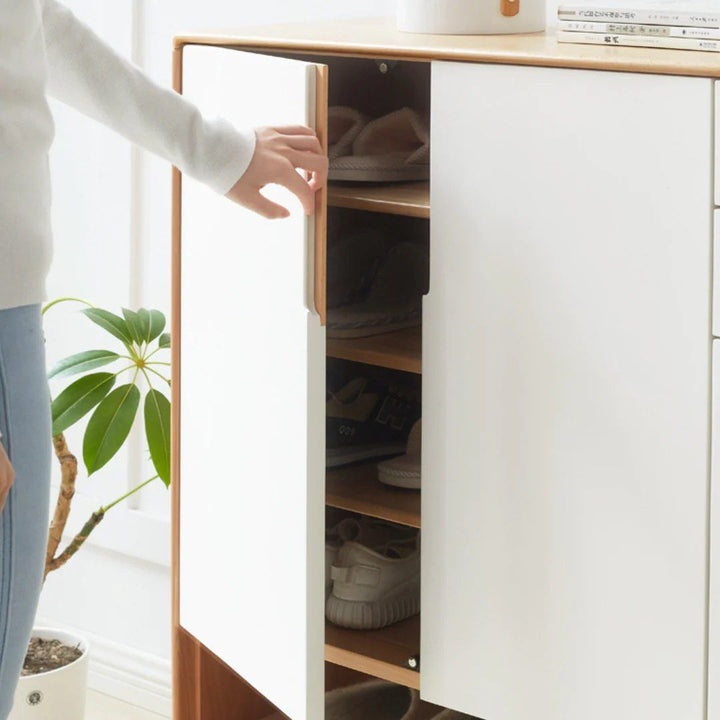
(112, 247)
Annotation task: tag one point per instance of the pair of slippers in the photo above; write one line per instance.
(391, 148)
(375, 285)
(381, 700)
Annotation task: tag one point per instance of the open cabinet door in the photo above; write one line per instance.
(251, 401)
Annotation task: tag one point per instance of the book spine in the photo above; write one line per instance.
(686, 18)
(635, 29)
(586, 38)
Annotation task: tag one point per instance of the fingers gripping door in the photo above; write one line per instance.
(252, 397)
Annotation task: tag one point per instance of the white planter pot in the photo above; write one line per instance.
(469, 17)
(58, 694)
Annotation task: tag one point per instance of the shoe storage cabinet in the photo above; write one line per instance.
(567, 503)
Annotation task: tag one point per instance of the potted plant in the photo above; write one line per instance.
(55, 686)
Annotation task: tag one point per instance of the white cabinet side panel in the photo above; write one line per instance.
(714, 605)
(566, 386)
(717, 143)
(252, 406)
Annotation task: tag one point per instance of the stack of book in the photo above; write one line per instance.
(677, 24)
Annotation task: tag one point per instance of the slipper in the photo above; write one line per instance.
(394, 300)
(344, 125)
(352, 264)
(404, 471)
(376, 699)
(391, 148)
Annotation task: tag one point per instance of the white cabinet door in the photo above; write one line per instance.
(566, 384)
(252, 405)
(714, 605)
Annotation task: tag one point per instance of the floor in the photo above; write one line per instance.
(104, 707)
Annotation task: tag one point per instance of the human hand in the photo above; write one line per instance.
(278, 152)
(7, 476)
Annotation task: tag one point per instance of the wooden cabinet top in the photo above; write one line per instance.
(379, 38)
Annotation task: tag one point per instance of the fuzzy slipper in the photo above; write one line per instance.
(394, 300)
(352, 264)
(344, 125)
(370, 700)
(404, 471)
(391, 148)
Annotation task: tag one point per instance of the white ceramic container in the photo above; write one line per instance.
(58, 694)
(470, 17)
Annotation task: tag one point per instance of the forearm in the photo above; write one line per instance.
(89, 75)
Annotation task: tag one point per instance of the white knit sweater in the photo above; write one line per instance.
(45, 48)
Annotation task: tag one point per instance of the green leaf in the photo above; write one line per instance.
(164, 341)
(79, 399)
(157, 431)
(134, 325)
(109, 426)
(144, 317)
(114, 324)
(156, 324)
(88, 360)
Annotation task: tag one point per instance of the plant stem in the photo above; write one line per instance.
(127, 494)
(68, 464)
(158, 374)
(77, 542)
(65, 299)
(147, 377)
(156, 350)
(158, 363)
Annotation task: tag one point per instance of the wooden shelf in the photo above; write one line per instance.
(410, 199)
(357, 489)
(380, 653)
(398, 350)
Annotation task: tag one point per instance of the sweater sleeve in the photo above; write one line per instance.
(87, 74)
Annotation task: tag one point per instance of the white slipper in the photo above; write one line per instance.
(404, 471)
(391, 148)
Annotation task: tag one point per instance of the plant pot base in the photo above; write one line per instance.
(57, 694)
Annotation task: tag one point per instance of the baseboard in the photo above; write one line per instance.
(122, 672)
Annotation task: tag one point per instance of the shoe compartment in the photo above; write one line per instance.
(377, 272)
(376, 262)
(377, 88)
(378, 269)
(372, 528)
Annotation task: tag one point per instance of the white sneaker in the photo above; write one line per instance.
(367, 531)
(372, 589)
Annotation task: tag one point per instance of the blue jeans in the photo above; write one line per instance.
(26, 434)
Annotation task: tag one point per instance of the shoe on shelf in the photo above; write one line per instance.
(371, 700)
(404, 470)
(375, 588)
(391, 148)
(394, 300)
(352, 263)
(379, 700)
(370, 532)
(368, 419)
(344, 125)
